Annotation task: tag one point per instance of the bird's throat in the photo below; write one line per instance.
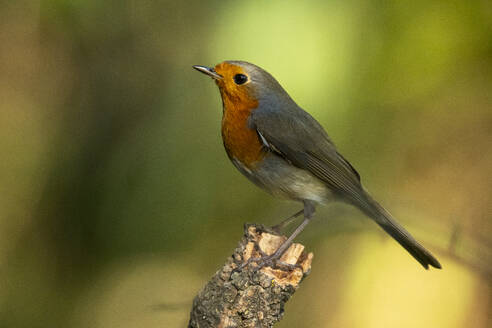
(240, 141)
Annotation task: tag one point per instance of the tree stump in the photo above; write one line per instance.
(251, 298)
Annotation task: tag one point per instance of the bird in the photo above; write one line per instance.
(282, 149)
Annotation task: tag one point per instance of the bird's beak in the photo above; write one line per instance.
(209, 71)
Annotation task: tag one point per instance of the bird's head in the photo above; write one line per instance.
(243, 84)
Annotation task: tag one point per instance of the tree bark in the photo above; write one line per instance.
(249, 297)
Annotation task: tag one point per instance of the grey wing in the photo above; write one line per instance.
(304, 143)
(300, 139)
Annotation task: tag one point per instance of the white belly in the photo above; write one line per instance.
(280, 178)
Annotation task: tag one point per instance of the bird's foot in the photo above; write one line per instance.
(265, 260)
(271, 261)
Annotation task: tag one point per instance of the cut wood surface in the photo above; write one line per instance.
(251, 297)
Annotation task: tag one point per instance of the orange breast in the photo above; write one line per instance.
(240, 142)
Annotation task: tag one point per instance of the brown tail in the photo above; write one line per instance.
(375, 211)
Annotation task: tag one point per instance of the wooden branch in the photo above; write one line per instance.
(250, 298)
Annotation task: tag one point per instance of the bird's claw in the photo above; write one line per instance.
(271, 261)
(264, 259)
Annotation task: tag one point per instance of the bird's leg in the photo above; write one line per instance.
(278, 227)
(271, 260)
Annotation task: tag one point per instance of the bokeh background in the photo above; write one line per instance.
(118, 202)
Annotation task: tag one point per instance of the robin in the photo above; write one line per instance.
(284, 150)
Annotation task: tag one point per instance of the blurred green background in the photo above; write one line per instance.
(118, 202)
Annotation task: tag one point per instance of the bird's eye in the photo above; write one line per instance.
(240, 78)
